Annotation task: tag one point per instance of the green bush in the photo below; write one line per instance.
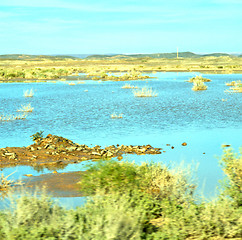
(154, 179)
(232, 166)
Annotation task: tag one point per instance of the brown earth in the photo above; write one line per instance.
(55, 184)
(57, 151)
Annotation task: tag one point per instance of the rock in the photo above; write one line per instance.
(70, 149)
(96, 153)
(109, 154)
(120, 157)
(28, 175)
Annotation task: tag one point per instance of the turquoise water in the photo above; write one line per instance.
(176, 115)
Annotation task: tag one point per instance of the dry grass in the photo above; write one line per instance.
(233, 83)
(145, 92)
(236, 87)
(199, 85)
(29, 93)
(27, 108)
(12, 117)
(128, 86)
(199, 78)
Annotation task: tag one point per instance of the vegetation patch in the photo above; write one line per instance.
(29, 93)
(145, 92)
(129, 201)
(26, 108)
(199, 78)
(236, 87)
(12, 117)
(128, 86)
(199, 85)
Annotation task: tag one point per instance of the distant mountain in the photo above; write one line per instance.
(113, 56)
(32, 57)
(161, 55)
(73, 55)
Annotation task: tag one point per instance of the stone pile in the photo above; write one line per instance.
(58, 150)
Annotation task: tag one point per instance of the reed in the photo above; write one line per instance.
(29, 93)
(6, 118)
(199, 78)
(236, 87)
(199, 85)
(233, 83)
(128, 86)
(26, 108)
(145, 92)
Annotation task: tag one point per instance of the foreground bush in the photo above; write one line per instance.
(133, 202)
(154, 179)
(232, 166)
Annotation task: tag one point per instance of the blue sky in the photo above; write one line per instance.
(109, 26)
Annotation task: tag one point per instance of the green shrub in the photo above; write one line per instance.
(33, 218)
(154, 179)
(232, 166)
(213, 220)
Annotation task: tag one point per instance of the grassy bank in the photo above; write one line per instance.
(43, 69)
(128, 201)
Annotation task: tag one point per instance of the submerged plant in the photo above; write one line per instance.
(199, 85)
(29, 93)
(128, 86)
(12, 117)
(145, 92)
(26, 108)
(236, 87)
(199, 78)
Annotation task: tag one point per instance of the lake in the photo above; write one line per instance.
(82, 112)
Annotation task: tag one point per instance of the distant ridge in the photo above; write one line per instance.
(163, 55)
(33, 57)
(113, 56)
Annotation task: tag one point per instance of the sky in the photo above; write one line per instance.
(120, 26)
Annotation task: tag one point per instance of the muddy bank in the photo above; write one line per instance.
(55, 150)
(55, 184)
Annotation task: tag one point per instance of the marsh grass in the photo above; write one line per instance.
(199, 85)
(145, 92)
(29, 93)
(7, 118)
(233, 83)
(128, 86)
(26, 108)
(236, 87)
(199, 78)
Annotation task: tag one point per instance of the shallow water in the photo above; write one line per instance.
(177, 115)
